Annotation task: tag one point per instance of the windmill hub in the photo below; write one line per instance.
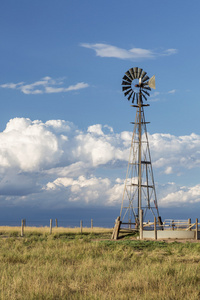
(135, 86)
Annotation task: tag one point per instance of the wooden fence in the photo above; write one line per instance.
(23, 225)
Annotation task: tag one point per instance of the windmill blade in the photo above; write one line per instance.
(146, 93)
(139, 72)
(143, 74)
(127, 92)
(127, 79)
(124, 88)
(135, 71)
(128, 74)
(129, 97)
(144, 97)
(133, 98)
(145, 78)
(126, 83)
(137, 98)
(152, 82)
(132, 73)
(146, 88)
(145, 84)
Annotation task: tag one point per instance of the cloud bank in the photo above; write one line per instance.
(106, 50)
(56, 164)
(46, 85)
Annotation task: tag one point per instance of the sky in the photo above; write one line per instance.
(65, 129)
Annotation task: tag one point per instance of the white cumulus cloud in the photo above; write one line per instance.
(175, 153)
(183, 196)
(88, 190)
(106, 50)
(46, 85)
(55, 162)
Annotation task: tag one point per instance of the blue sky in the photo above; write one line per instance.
(64, 60)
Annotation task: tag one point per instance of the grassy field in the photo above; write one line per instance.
(70, 265)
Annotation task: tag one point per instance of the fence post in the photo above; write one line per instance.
(50, 231)
(56, 220)
(91, 223)
(22, 227)
(24, 222)
(196, 229)
(155, 229)
(81, 226)
(173, 225)
(189, 223)
(129, 226)
(141, 224)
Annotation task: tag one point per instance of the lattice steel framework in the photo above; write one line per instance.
(139, 189)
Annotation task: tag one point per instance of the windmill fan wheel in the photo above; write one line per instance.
(136, 82)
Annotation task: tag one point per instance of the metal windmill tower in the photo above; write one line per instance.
(139, 196)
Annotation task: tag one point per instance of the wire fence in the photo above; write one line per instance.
(57, 223)
(168, 224)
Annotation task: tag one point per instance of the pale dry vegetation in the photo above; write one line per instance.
(70, 265)
(42, 230)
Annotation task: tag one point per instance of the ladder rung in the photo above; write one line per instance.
(140, 123)
(142, 185)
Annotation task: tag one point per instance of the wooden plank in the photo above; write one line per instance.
(116, 229)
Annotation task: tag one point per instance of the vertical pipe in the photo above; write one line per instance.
(141, 224)
(139, 158)
(148, 200)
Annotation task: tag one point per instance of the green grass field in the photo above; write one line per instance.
(70, 265)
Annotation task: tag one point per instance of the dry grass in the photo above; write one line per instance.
(43, 230)
(68, 265)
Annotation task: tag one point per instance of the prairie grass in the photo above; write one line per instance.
(16, 231)
(70, 265)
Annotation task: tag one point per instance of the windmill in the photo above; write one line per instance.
(139, 201)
